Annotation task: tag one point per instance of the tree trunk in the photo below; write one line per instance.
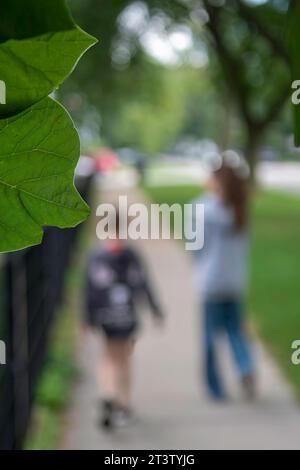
(225, 127)
(252, 147)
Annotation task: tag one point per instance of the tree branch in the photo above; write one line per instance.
(275, 108)
(234, 71)
(252, 19)
(231, 64)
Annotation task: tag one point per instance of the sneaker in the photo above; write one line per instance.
(249, 387)
(108, 407)
(122, 416)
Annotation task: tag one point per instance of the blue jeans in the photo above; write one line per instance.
(225, 316)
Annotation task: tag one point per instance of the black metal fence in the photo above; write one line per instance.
(31, 288)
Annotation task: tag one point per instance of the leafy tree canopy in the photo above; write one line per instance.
(248, 58)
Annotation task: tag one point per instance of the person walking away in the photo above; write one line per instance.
(221, 277)
(115, 281)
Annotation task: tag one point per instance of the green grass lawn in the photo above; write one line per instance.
(274, 297)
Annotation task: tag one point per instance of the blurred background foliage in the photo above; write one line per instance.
(212, 69)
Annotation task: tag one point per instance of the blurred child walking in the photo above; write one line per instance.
(221, 275)
(115, 279)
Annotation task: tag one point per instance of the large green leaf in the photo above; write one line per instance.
(39, 149)
(297, 125)
(21, 19)
(33, 68)
(294, 42)
(39, 146)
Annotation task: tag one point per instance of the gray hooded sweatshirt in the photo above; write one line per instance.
(221, 265)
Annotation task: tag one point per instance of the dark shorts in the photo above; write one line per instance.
(112, 325)
(115, 333)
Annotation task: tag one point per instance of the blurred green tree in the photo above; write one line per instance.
(251, 63)
(248, 61)
(141, 101)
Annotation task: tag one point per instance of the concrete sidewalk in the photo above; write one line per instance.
(171, 405)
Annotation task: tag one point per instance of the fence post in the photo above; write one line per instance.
(19, 347)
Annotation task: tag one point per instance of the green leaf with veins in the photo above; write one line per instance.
(22, 19)
(39, 146)
(33, 68)
(39, 149)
